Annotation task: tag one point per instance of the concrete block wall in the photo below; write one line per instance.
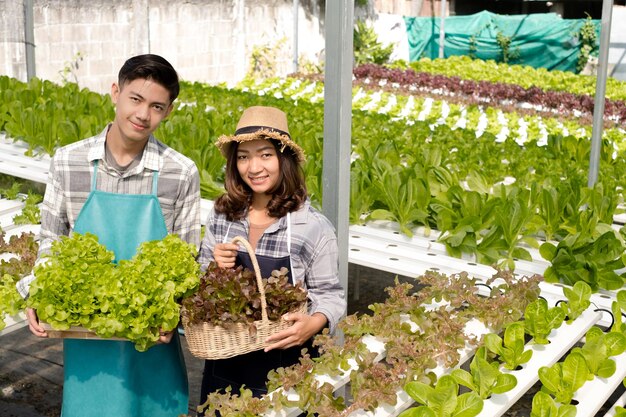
(200, 40)
(12, 50)
(423, 8)
(206, 40)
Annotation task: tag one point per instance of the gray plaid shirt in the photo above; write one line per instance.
(69, 184)
(314, 254)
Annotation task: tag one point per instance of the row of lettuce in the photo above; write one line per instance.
(432, 165)
(500, 358)
(427, 336)
(522, 75)
(494, 112)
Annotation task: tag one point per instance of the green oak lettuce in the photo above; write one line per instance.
(79, 285)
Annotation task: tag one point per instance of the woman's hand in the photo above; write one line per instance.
(33, 323)
(304, 327)
(225, 254)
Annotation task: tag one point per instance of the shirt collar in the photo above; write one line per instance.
(299, 216)
(151, 158)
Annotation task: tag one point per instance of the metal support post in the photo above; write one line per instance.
(296, 8)
(442, 30)
(598, 108)
(29, 39)
(337, 123)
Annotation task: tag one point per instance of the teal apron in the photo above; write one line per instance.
(106, 378)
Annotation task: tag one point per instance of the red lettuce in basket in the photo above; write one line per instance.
(228, 296)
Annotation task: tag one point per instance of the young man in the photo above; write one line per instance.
(125, 187)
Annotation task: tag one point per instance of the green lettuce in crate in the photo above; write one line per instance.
(79, 285)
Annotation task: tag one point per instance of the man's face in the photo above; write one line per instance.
(140, 106)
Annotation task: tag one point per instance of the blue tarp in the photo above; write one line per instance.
(539, 40)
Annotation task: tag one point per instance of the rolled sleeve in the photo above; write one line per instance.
(325, 292)
(187, 220)
(23, 285)
(54, 217)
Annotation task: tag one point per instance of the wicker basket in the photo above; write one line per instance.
(208, 341)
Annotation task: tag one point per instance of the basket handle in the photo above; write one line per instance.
(257, 273)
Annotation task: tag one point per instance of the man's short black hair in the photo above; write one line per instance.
(151, 67)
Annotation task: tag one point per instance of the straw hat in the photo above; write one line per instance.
(259, 122)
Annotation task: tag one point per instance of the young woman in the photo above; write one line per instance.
(266, 203)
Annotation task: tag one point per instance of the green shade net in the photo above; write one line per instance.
(539, 40)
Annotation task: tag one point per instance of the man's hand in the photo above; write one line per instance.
(166, 337)
(33, 323)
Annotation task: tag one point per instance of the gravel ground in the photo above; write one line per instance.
(31, 369)
(31, 378)
(31, 375)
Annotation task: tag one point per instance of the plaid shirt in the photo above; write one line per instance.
(314, 254)
(69, 185)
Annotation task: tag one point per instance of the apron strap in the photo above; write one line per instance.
(155, 181)
(293, 275)
(289, 233)
(94, 176)
(225, 240)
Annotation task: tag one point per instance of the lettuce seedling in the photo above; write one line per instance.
(405, 195)
(578, 300)
(617, 307)
(563, 379)
(22, 252)
(591, 255)
(511, 349)
(545, 406)
(598, 349)
(443, 400)
(539, 320)
(485, 377)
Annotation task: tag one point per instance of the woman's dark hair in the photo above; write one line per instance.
(151, 67)
(287, 196)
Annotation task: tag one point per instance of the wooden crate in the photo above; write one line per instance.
(74, 332)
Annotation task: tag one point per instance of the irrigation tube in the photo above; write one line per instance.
(598, 108)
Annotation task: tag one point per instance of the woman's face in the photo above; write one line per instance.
(258, 165)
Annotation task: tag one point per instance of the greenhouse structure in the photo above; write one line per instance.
(473, 172)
